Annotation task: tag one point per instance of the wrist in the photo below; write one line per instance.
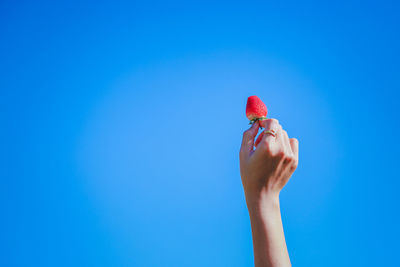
(262, 202)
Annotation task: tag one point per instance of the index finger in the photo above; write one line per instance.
(248, 138)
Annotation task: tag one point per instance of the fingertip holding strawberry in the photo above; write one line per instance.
(255, 124)
(258, 119)
(255, 109)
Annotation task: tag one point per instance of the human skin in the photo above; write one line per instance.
(265, 170)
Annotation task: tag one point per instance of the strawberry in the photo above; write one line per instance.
(255, 109)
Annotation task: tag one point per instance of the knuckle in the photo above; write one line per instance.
(274, 121)
(266, 143)
(265, 146)
(288, 159)
(280, 154)
(294, 165)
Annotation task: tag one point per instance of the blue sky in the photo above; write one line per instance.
(122, 121)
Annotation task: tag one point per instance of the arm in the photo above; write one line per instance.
(265, 171)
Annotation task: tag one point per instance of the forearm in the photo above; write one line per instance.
(268, 238)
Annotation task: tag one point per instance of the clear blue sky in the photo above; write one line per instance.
(121, 124)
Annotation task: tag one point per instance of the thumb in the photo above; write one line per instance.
(248, 139)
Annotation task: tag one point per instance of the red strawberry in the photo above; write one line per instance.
(255, 109)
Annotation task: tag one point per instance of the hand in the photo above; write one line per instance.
(266, 169)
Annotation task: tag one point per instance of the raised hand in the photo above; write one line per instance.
(266, 165)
